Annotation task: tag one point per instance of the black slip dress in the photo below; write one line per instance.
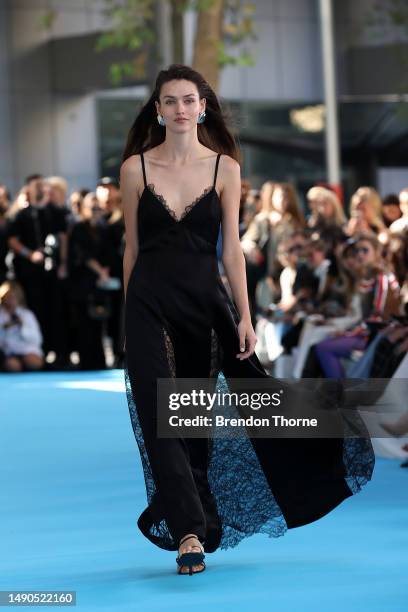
(181, 322)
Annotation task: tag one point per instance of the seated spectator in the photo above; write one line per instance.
(338, 308)
(379, 297)
(20, 334)
(320, 264)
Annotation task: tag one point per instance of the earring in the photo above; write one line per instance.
(160, 120)
(201, 117)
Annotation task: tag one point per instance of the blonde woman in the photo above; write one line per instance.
(326, 208)
(365, 212)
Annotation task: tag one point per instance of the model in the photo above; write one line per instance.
(180, 179)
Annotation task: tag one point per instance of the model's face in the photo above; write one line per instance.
(180, 105)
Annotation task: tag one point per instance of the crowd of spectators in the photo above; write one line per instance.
(328, 289)
(323, 279)
(61, 288)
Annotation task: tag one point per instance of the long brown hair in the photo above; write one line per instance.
(146, 133)
(293, 210)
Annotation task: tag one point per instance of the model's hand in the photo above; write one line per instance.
(247, 339)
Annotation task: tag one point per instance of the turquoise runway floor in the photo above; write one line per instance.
(72, 489)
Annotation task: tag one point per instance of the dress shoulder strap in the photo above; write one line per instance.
(143, 168)
(216, 168)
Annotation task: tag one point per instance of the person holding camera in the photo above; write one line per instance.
(37, 236)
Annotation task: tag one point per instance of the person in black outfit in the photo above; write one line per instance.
(89, 257)
(109, 198)
(37, 236)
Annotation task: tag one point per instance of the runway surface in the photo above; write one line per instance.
(72, 488)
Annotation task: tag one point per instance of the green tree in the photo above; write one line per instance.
(220, 25)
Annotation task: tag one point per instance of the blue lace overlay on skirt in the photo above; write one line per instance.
(245, 503)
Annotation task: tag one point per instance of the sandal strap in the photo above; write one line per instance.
(188, 537)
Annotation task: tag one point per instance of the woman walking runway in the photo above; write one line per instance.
(180, 180)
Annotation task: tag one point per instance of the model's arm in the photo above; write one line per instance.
(232, 254)
(130, 174)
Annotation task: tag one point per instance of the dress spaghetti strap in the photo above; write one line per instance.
(143, 168)
(216, 168)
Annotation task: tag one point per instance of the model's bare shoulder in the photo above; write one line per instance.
(229, 171)
(131, 172)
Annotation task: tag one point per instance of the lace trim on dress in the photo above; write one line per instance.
(186, 210)
(170, 353)
(216, 355)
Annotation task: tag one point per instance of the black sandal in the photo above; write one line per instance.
(190, 559)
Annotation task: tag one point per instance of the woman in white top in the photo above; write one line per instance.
(20, 334)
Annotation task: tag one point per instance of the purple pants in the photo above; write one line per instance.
(331, 350)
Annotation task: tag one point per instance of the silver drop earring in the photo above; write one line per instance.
(201, 117)
(160, 120)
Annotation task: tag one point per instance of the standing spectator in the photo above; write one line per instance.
(110, 200)
(280, 216)
(58, 190)
(20, 334)
(37, 236)
(90, 257)
(75, 202)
